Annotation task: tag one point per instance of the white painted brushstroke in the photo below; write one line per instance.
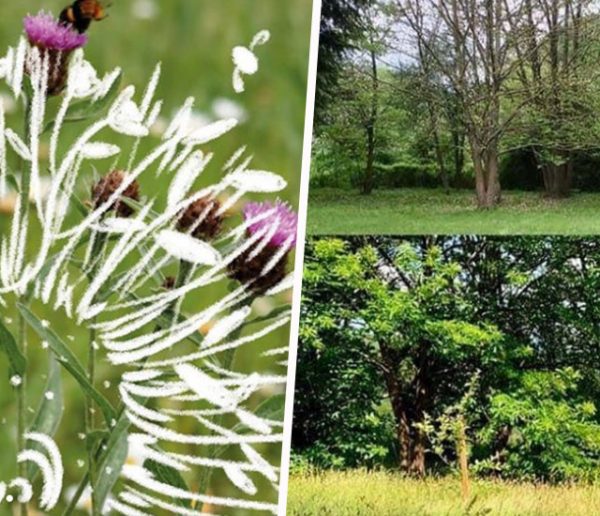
(259, 462)
(227, 325)
(133, 499)
(142, 375)
(253, 422)
(205, 386)
(234, 158)
(99, 150)
(25, 487)
(150, 91)
(170, 507)
(240, 479)
(238, 81)
(54, 487)
(3, 164)
(277, 351)
(106, 84)
(285, 284)
(140, 233)
(119, 225)
(188, 248)
(49, 484)
(260, 38)
(186, 176)
(245, 60)
(142, 478)
(181, 119)
(140, 409)
(154, 114)
(211, 132)
(223, 347)
(125, 509)
(83, 79)
(17, 144)
(258, 181)
(19, 68)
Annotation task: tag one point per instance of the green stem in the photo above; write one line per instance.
(22, 406)
(75, 500)
(97, 251)
(89, 419)
(183, 273)
(22, 335)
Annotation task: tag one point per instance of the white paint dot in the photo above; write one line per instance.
(16, 380)
(245, 60)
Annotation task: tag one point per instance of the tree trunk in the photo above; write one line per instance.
(422, 405)
(403, 433)
(369, 181)
(439, 154)
(558, 179)
(487, 180)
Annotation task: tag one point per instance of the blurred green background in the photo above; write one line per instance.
(193, 39)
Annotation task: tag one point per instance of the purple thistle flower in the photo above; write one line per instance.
(262, 267)
(46, 32)
(285, 218)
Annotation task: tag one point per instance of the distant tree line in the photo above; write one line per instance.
(408, 343)
(464, 93)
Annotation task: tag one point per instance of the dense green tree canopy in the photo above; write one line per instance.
(398, 333)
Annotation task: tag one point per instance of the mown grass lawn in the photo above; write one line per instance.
(422, 211)
(384, 494)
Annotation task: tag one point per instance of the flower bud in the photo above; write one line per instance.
(103, 190)
(202, 218)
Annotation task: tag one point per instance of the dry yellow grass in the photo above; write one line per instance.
(383, 494)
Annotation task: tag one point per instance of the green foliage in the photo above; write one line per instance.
(496, 336)
(553, 431)
(17, 361)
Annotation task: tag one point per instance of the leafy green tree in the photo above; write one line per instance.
(341, 28)
(408, 323)
(543, 430)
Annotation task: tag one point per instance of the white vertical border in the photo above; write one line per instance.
(299, 265)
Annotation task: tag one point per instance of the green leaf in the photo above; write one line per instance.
(273, 408)
(8, 345)
(112, 460)
(50, 410)
(69, 361)
(168, 475)
(89, 108)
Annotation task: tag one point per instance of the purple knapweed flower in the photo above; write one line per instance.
(263, 266)
(283, 217)
(46, 32)
(57, 41)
